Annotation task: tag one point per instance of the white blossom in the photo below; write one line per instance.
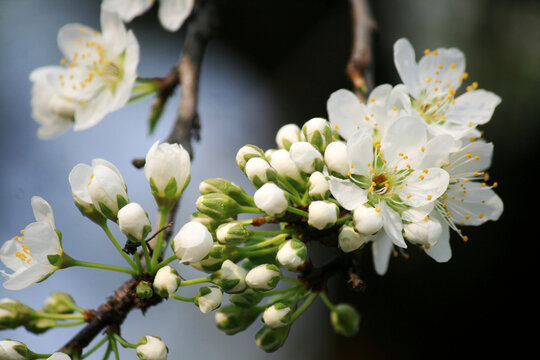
(322, 214)
(271, 199)
(287, 135)
(166, 281)
(208, 298)
(233, 277)
(349, 239)
(98, 73)
(151, 348)
(318, 186)
(263, 277)
(335, 158)
(433, 83)
(277, 315)
(292, 254)
(133, 221)
(192, 243)
(306, 157)
(7, 351)
(172, 13)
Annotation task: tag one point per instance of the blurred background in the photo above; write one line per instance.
(274, 62)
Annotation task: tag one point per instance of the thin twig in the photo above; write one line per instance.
(359, 66)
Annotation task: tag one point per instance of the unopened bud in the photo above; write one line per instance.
(246, 299)
(133, 222)
(208, 298)
(13, 314)
(144, 290)
(232, 233)
(218, 206)
(232, 319)
(263, 277)
(322, 214)
(226, 187)
(39, 325)
(292, 254)
(317, 132)
(14, 350)
(192, 243)
(59, 303)
(285, 167)
(277, 315)
(336, 159)
(151, 348)
(271, 199)
(345, 319)
(306, 157)
(424, 232)
(350, 240)
(247, 152)
(318, 186)
(270, 339)
(259, 172)
(166, 281)
(367, 220)
(231, 277)
(287, 135)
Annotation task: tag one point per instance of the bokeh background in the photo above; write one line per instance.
(275, 62)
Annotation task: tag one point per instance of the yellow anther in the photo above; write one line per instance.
(462, 222)
(473, 139)
(428, 79)
(471, 124)
(476, 157)
(443, 117)
(96, 33)
(83, 102)
(16, 237)
(426, 218)
(468, 155)
(436, 89)
(378, 210)
(465, 238)
(400, 154)
(481, 216)
(336, 126)
(422, 149)
(394, 108)
(405, 157)
(372, 99)
(371, 189)
(435, 52)
(466, 179)
(427, 52)
(440, 67)
(373, 183)
(421, 177)
(467, 216)
(409, 196)
(483, 184)
(349, 173)
(429, 197)
(352, 165)
(495, 184)
(367, 118)
(425, 171)
(465, 75)
(469, 88)
(22, 231)
(63, 61)
(400, 187)
(452, 66)
(452, 91)
(475, 85)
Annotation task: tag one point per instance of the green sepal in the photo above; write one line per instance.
(121, 201)
(171, 188)
(269, 339)
(108, 213)
(55, 260)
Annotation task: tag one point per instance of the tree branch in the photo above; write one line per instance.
(359, 66)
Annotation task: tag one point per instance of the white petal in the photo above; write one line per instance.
(79, 177)
(7, 255)
(476, 107)
(382, 250)
(345, 112)
(445, 69)
(436, 151)
(94, 111)
(405, 62)
(29, 276)
(173, 13)
(393, 225)
(405, 136)
(360, 151)
(72, 39)
(132, 56)
(42, 210)
(347, 194)
(424, 186)
(42, 240)
(379, 95)
(473, 205)
(441, 251)
(127, 9)
(114, 33)
(475, 156)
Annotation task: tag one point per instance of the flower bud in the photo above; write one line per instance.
(287, 135)
(231, 277)
(271, 199)
(59, 356)
(285, 167)
(208, 298)
(425, 232)
(14, 350)
(322, 214)
(166, 281)
(259, 172)
(232, 319)
(168, 170)
(268, 154)
(292, 254)
(226, 187)
(247, 152)
(107, 190)
(269, 339)
(13, 314)
(317, 132)
(246, 299)
(318, 186)
(215, 258)
(306, 157)
(336, 159)
(263, 277)
(59, 303)
(345, 319)
(144, 290)
(350, 240)
(151, 348)
(192, 243)
(210, 223)
(367, 220)
(39, 325)
(133, 222)
(277, 315)
(218, 206)
(232, 233)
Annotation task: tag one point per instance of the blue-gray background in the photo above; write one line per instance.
(275, 62)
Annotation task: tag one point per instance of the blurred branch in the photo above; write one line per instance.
(359, 66)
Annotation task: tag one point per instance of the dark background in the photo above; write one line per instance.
(272, 63)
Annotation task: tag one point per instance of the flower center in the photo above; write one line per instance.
(24, 254)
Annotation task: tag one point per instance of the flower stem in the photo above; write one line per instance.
(182, 298)
(196, 281)
(250, 210)
(277, 239)
(114, 347)
(259, 252)
(117, 246)
(146, 254)
(45, 315)
(157, 247)
(280, 291)
(297, 211)
(165, 262)
(68, 324)
(327, 301)
(95, 347)
(103, 267)
(123, 341)
(304, 306)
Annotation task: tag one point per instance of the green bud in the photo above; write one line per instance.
(13, 314)
(218, 206)
(40, 325)
(232, 233)
(226, 187)
(232, 319)
(246, 299)
(270, 339)
(59, 303)
(144, 290)
(345, 320)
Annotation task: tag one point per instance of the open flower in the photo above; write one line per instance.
(433, 83)
(388, 178)
(29, 255)
(172, 13)
(97, 76)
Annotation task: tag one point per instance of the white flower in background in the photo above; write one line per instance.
(97, 76)
(166, 281)
(322, 214)
(151, 348)
(208, 298)
(433, 83)
(287, 135)
(385, 104)
(271, 199)
(388, 177)
(13, 350)
(172, 13)
(26, 254)
(192, 243)
(263, 277)
(98, 187)
(277, 315)
(133, 221)
(168, 170)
